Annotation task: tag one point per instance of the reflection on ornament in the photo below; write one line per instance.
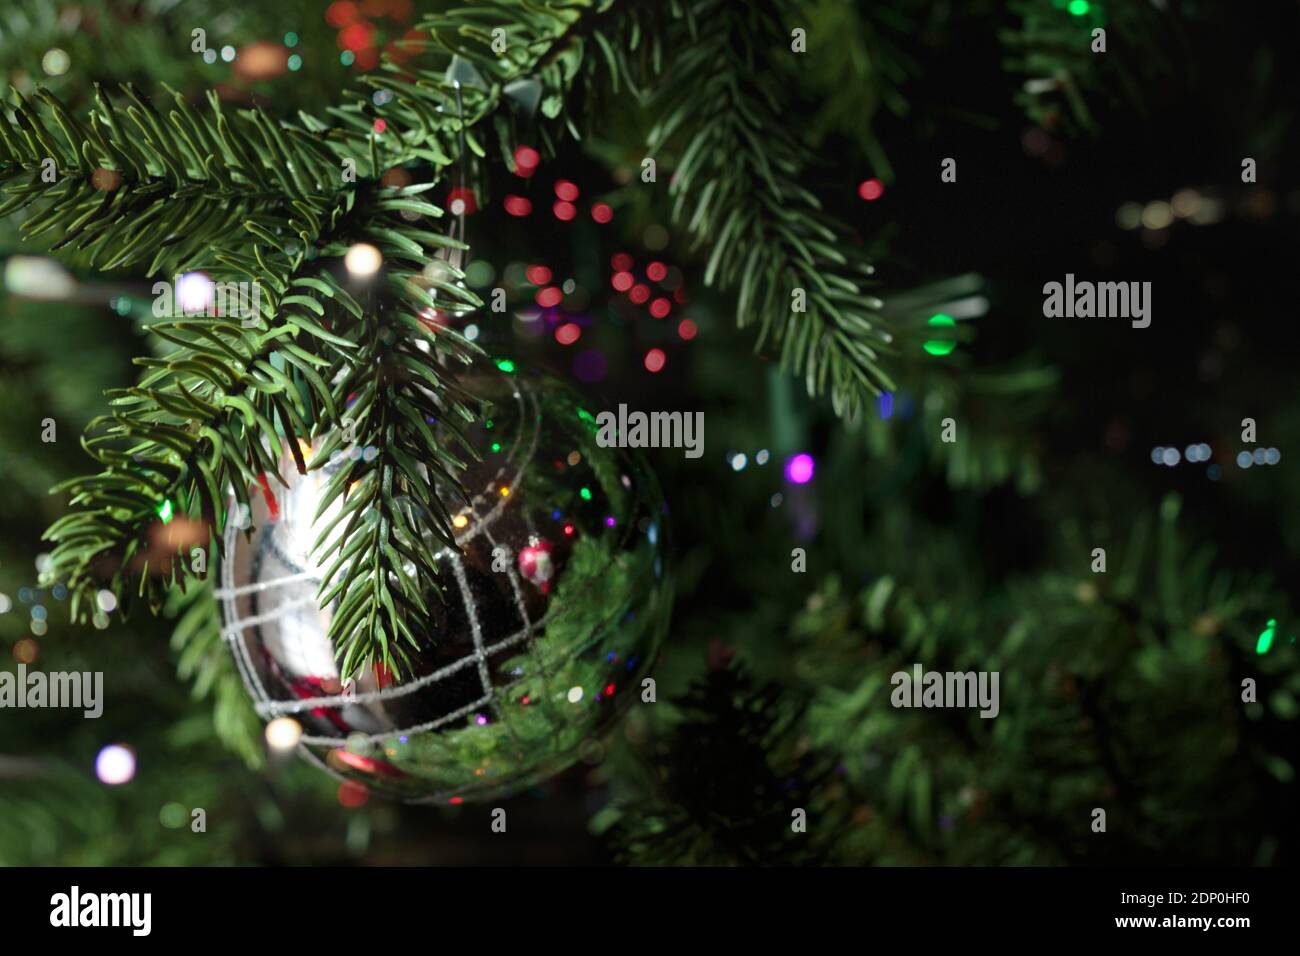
(584, 605)
(535, 563)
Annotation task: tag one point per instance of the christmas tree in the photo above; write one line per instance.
(342, 297)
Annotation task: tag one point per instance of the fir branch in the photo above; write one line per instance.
(856, 67)
(726, 784)
(1053, 48)
(736, 189)
(553, 50)
(222, 409)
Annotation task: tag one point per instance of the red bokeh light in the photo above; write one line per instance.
(656, 271)
(341, 14)
(357, 36)
(526, 161)
(686, 329)
(640, 293)
(517, 205)
(622, 281)
(538, 275)
(660, 308)
(568, 333)
(465, 195)
(549, 297)
(621, 262)
(566, 190)
(602, 213)
(871, 189)
(564, 211)
(654, 360)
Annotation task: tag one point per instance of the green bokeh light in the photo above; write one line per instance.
(165, 510)
(940, 346)
(291, 39)
(1079, 7)
(56, 62)
(480, 274)
(585, 493)
(1266, 639)
(172, 816)
(506, 365)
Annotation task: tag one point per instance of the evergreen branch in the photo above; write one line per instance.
(1053, 48)
(551, 48)
(736, 189)
(221, 410)
(683, 813)
(382, 511)
(856, 67)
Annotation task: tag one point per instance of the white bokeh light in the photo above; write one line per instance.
(115, 764)
(363, 260)
(283, 733)
(195, 293)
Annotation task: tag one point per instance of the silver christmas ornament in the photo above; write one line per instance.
(556, 603)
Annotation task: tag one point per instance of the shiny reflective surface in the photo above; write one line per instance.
(554, 609)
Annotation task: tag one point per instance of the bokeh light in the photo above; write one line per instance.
(363, 260)
(115, 765)
(799, 468)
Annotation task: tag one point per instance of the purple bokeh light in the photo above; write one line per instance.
(799, 468)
